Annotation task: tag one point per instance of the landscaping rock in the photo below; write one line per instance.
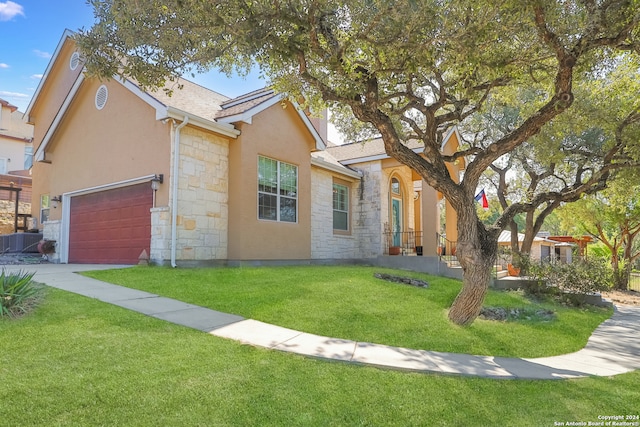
(22, 259)
(399, 279)
(503, 314)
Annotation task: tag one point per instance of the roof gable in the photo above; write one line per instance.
(371, 150)
(184, 100)
(245, 107)
(66, 35)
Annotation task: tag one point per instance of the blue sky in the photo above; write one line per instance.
(30, 31)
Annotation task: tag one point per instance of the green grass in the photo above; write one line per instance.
(79, 362)
(348, 302)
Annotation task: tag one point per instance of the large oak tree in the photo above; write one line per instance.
(407, 69)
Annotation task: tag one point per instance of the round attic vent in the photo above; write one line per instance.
(101, 97)
(74, 61)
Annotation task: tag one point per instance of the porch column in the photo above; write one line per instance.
(430, 219)
(451, 226)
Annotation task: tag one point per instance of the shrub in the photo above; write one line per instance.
(571, 282)
(17, 293)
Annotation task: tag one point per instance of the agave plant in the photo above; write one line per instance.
(17, 290)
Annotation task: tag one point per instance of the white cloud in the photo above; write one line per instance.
(36, 76)
(42, 54)
(6, 94)
(9, 10)
(3, 65)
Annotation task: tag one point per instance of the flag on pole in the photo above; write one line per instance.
(481, 197)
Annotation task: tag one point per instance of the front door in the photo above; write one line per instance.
(396, 221)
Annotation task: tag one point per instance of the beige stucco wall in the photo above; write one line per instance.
(451, 216)
(59, 81)
(94, 147)
(430, 219)
(13, 151)
(280, 134)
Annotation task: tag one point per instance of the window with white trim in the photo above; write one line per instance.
(28, 157)
(340, 207)
(277, 190)
(44, 208)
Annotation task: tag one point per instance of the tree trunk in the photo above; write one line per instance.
(619, 280)
(621, 276)
(476, 250)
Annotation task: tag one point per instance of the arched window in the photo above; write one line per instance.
(395, 187)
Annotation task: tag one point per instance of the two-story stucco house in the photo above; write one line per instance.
(15, 139)
(121, 174)
(15, 162)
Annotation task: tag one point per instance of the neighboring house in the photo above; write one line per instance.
(199, 178)
(543, 247)
(15, 140)
(579, 242)
(15, 161)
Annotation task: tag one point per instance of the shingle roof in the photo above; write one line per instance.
(358, 150)
(326, 157)
(245, 102)
(208, 104)
(191, 98)
(8, 105)
(505, 237)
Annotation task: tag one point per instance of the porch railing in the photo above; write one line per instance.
(403, 242)
(446, 250)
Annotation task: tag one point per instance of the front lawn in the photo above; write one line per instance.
(348, 302)
(79, 362)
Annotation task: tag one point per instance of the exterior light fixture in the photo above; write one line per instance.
(155, 185)
(156, 181)
(55, 201)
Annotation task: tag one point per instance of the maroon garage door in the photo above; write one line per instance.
(111, 227)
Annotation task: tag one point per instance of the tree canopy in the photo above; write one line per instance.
(576, 154)
(404, 69)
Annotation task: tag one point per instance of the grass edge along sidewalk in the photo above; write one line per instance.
(349, 303)
(77, 361)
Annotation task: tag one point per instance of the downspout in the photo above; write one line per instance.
(174, 190)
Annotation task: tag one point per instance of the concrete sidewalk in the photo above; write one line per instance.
(613, 348)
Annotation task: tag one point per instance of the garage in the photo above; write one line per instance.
(111, 226)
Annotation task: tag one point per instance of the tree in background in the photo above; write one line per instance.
(404, 69)
(571, 157)
(612, 217)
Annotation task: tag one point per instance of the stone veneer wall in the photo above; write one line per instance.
(368, 209)
(51, 231)
(203, 210)
(8, 212)
(160, 246)
(366, 238)
(325, 244)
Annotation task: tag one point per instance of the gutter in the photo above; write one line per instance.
(226, 129)
(174, 190)
(344, 170)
